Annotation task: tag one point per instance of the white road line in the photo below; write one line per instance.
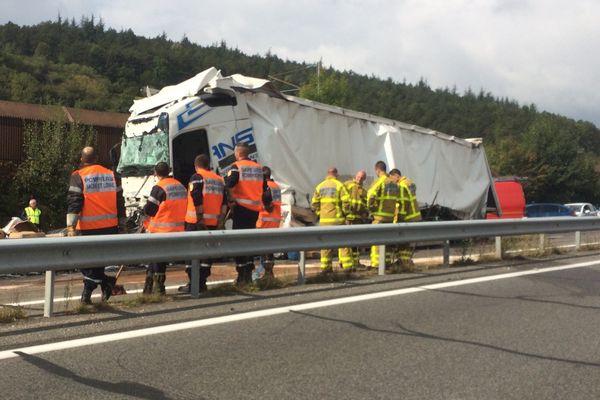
(97, 295)
(69, 344)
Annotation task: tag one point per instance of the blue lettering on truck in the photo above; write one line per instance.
(224, 151)
(193, 111)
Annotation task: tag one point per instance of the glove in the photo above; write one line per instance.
(71, 231)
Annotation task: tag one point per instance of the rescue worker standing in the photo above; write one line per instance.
(95, 206)
(331, 203)
(270, 219)
(32, 213)
(166, 207)
(358, 212)
(382, 198)
(206, 207)
(247, 195)
(407, 211)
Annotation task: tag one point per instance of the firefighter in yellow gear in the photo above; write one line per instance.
(330, 203)
(407, 211)
(358, 212)
(382, 199)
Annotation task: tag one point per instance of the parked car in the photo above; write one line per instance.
(511, 199)
(583, 209)
(537, 210)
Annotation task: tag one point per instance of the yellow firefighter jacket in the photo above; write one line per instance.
(331, 202)
(382, 198)
(358, 201)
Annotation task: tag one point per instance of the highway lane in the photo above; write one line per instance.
(525, 337)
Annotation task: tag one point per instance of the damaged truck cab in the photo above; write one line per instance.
(299, 139)
(176, 132)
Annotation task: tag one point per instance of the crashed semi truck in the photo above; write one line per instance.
(298, 138)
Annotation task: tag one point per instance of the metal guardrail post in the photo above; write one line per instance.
(446, 253)
(302, 268)
(49, 294)
(195, 279)
(577, 240)
(381, 270)
(499, 253)
(542, 242)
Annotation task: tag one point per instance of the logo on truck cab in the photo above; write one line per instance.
(224, 150)
(193, 111)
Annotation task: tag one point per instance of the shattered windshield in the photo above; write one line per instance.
(140, 154)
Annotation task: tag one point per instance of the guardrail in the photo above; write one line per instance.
(51, 254)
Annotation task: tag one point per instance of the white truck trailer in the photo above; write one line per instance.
(298, 138)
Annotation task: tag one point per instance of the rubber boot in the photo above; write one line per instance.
(149, 283)
(107, 287)
(86, 296)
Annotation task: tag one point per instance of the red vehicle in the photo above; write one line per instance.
(511, 199)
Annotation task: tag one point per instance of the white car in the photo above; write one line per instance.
(583, 209)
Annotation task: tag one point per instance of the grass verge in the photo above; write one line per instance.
(11, 314)
(142, 299)
(334, 277)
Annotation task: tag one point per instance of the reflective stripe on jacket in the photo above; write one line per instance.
(248, 192)
(331, 201)
(408, 208)
(212, 199)
(99, 198)
(358, 200)
(170, 216)
(33, 216)
(383, 196)
(271, 219)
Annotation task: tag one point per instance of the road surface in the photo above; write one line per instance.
(528, 330)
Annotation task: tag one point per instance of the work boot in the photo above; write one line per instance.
(149, 283)
(268, 270)
(86, 296)
(248, 273)
(240, 278)
(107, 287)
(159, 284)
(204, 274)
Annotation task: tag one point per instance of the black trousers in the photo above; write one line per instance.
(244, 218)
(92, 277)
(206, 264)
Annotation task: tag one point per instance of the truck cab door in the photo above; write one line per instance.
(185, 149)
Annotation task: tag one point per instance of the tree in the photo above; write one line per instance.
(52, 149)
(327, 87)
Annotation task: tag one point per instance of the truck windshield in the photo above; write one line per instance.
(140, 154)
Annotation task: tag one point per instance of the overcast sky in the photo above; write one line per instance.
(534, 51)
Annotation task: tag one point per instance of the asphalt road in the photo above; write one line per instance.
(532, 336)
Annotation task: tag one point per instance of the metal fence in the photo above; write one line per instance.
(51, 254)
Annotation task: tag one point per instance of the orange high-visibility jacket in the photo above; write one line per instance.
(248, 191)
(212, 199)
(99, 198)
(271, 219)
(171, 212)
